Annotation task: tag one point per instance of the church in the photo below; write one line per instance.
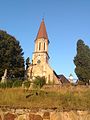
(40, 58)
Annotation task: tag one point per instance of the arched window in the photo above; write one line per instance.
(40, 46)
(44, 45)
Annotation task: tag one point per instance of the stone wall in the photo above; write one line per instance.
(27, 114)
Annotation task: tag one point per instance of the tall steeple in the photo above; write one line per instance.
(42, 33)
(41, 45)
(41, 42)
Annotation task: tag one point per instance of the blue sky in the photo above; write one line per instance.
(66, 22)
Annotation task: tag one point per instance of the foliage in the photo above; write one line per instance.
(26, 84)
(39, 81)
(7, 84)
(17, 83)
(3, 85)
(82, 62)
(11, 56)
(27, 62)
(81, 83)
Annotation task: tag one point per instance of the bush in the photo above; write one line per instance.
(39, 82)
(17, 83)
(3, 85)
(81, 83)
(7, 84)
(26, 84)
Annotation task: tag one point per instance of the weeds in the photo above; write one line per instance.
(67, 100)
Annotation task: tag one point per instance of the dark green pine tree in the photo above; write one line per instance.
(82, 62)
(11, 56)
(27, 62)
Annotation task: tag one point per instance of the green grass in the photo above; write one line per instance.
(73, 98)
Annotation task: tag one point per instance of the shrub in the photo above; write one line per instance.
(81, 83)
(3, 85)
(17, 83)
(39, 82)
(9, 83)
(26, 84)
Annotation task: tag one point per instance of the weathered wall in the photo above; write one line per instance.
(27, 114)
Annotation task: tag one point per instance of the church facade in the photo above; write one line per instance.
(40, 58)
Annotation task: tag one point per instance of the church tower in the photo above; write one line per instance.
(40, 58)
(40, 55)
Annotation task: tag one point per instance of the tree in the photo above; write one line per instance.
(39, 81)
(11, 56)
(27, 62)
(82, 62)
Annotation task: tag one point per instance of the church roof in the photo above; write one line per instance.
(42, 33)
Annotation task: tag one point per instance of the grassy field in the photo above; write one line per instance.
(63, 98)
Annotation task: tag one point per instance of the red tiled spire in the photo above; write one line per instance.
(42, 31)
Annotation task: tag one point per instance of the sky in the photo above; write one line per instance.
(66, 22)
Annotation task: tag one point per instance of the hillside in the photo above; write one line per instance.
(61, 98)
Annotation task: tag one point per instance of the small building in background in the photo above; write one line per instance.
(63, 79)
(71, 79)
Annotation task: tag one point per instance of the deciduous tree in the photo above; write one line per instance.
(11, 56)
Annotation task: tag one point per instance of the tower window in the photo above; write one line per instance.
(39, 46)
(44, 46)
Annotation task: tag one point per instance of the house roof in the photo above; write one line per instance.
(63, 79)
(42, 33)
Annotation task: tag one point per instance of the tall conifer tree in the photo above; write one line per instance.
(82, 62)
